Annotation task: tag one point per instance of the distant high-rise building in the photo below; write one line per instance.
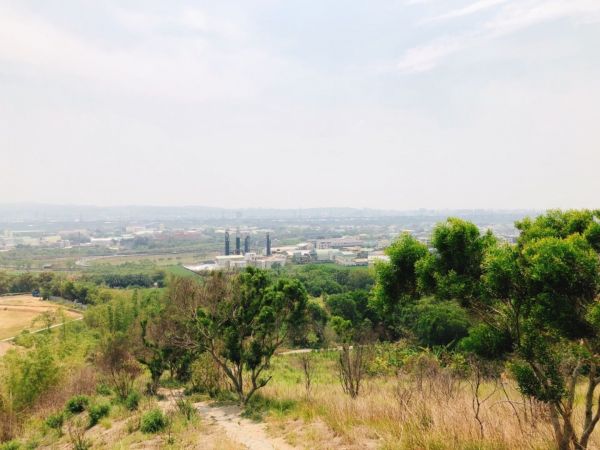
(238, 245)
(227, 243)
(246, 244)
(268, 245)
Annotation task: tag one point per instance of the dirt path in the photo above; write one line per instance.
(250, 434)
(43, 329)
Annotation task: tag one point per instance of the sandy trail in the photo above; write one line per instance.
(250, 434)
(228, 419)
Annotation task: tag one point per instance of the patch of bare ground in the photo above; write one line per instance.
(250, 434)
(5, 347)
(19, 313)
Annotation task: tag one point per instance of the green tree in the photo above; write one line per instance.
(242, 320)
(547, 286)
(455, 268)
(396, 280)
(440, 322)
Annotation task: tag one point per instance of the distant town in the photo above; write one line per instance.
(204, 239)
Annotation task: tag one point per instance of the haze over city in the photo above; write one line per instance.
(389, 104)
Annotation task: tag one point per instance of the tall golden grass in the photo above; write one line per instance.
(434, 413)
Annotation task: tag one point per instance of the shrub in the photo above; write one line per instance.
(97, 412)
(258, 406)
(186, 408)
(77, 436)
(10, 445)
(440, 323)
(55, 421)
(103, 389)
(77, 404)
(132, 401)
(153, 421)
(487, 342)
(207, 377)
(389, 357)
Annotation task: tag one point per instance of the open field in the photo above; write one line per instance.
(159, 259)
(19, 312)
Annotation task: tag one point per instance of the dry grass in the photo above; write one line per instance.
(18, 313)
(394, 413)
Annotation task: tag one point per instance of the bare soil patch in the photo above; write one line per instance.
(18, 313)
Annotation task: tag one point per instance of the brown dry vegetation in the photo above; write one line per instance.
(402, 412)
(19, 312)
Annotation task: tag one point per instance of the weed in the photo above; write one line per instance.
(97, 412)
(77, 404)
(153, 421)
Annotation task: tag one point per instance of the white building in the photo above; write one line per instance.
(327, 254)
(225, 261)
(346, 258)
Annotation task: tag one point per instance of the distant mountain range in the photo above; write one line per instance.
(32, 212)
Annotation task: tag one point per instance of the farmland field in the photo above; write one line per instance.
(159, 259)
(18, 313)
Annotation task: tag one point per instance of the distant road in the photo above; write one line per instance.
(310, 350)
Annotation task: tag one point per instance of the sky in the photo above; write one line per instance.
(395, 104)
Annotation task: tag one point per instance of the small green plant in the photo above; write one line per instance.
(31, 444)
(257, 408)
(77, 404)
(97, 412)
(132, 401)
(186, 408)
(10, 445)
(55, 421)
(103, 389)
(153, 421)
(76, 430)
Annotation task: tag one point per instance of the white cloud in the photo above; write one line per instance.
(510, 18)
(524, 14)
(473, 8)
(426, 57)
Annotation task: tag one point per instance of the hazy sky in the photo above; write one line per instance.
(298, 103)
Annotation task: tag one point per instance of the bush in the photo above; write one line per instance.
(256, 408)
(103, 389)
(97, 412)
(153, 421)
(207, 377)
(487, 342)
(389, 357)
(78, 404)
(55, 421)
(10, 445)
(186, 408)
(440, 323)
(132, 401)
